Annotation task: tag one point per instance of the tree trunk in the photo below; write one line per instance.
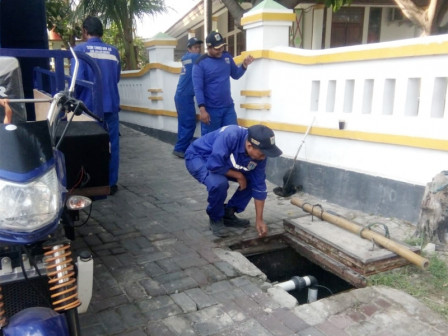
(235, 10)
(131, 60)
(433, 221)
(423, 18)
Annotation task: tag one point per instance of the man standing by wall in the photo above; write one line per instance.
(211, 81)
(108, 60)
(186, 111)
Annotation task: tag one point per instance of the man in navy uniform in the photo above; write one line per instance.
(186, 110)
(108, 60)
(238, 154)
(211, 81)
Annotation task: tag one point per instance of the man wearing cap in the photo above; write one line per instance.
(211, 81)
(238, 154)
(186, 110)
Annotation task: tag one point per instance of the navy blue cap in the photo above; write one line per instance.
(215, 40)
(191, 42)
(263, 138)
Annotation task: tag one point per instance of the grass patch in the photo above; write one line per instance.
(428, 286)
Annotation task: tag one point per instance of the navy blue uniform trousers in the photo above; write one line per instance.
(186, 121)
(217, 186)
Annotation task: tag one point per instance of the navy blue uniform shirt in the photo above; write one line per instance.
(225, 149)
(108, 59)
(211, 80)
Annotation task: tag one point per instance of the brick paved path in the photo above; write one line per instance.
(155, 269)
(158, 270)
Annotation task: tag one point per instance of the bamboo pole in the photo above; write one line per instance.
(365, 233)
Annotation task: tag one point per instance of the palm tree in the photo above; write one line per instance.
(123, 14)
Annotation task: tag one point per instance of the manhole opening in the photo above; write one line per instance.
(284, 263)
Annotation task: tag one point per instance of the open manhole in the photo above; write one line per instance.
(286, 266)
(320, 258)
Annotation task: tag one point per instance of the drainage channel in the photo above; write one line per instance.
(284, 267)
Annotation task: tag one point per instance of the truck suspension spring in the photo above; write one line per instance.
(2, 310)
(60, 271)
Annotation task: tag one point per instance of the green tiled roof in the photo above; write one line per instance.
(161, 36)
(267, 4)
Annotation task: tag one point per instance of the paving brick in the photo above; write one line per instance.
(108, 303)
(210, 320)
(369, 309)
(168, 265)
(201, 298)
(101, 293)
(180, 326)
(248, 305)
(340, 321)
(330, 329)
(93, 240)
(290, 320)
(108, 246)
(226, 268)
(265, 301)
(220, 286)
(99, 252)
(241, 281)
(205, 275)
(157, 302)
(135, 291)
(97, 330)
(189, 260)
(251, 289)
(128, 274)
(152, 287)
(106, 237)
(153, 269)
(235, 312)
(169, 243)
(112, 321)
(111, 262)
(154, 256)
(157, 328)
(176, 282)
(158, 308)
(131, 316)
(247, 328)
(103, 277)
(136, 332)
(312, 332)
(179, 285)
(184, 302)
(382, 303)
(356, 316)
(119, 250)
(208, 254)
(274, 325)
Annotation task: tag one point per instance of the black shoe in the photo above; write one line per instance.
(180, 155)
(113, 189)
(233, 221)
(218, 228)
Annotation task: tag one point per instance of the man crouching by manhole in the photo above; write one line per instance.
(238, 154)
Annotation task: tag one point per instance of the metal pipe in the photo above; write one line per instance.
(365, 233)
(30, 100)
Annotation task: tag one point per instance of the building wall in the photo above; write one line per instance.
(393, 105)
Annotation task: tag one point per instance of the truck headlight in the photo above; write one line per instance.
(30, 206)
